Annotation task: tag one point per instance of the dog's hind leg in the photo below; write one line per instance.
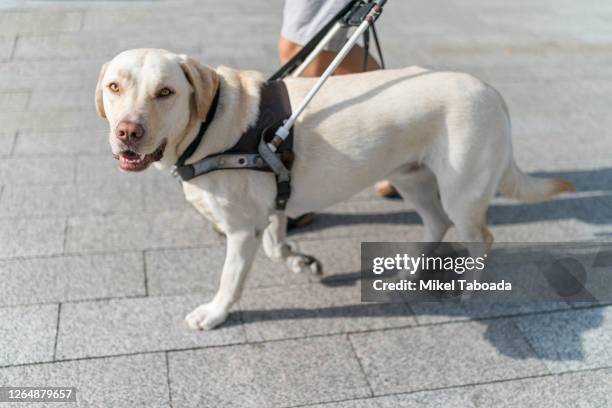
(420, 188)
(277, 248)
(242, 246)
(466, 198)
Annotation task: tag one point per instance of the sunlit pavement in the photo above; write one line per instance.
(98, 268)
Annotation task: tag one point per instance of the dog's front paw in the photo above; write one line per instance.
(305, 263)
(207, 316)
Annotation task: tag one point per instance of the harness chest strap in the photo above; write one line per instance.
(251, 151)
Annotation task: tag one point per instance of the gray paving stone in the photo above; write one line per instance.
(571, 340)
(7, 140)
(74, 74)
(164, 193)
(550, 98)
(441, 312)
(73, 100)
(446, 355)
(6, 46)
(136, 325)
(94, 198)
(31, 236)
(456, 398)
(61, 142)
(278, 374)
(356, 403)
(527, 50)
(104, 45)
(138, 231)
(43, 170)
(67, 46)
(69, 278)
(105, 167)
(11, 101)
(52, 120)
(97, 44)
(130, 381)
(193, 270)
(38, 21)
(310, 310)
(558, 156)
(245, 19)
(171, 272)
(581, 389)
(27, 334)
(251, 14)
(524, 66)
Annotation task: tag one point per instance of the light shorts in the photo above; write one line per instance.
(302, 20)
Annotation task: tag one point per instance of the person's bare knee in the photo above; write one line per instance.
(287, 49)
(353, 63)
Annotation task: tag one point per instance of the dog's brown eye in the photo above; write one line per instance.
(164, 92)
(114, 87)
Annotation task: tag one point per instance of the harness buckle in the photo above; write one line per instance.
(283, 192)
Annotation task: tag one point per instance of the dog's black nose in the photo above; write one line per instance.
(129, 131)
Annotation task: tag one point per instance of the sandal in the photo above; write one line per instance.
(386, 190)
(301, 221)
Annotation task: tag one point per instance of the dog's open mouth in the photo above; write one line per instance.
(132, 161)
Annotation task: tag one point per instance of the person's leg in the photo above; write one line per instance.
(353, 62)
(302, 19)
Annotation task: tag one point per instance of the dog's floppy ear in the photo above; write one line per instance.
(99, 100)
(204, 81)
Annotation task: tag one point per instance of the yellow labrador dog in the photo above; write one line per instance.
(442, 138)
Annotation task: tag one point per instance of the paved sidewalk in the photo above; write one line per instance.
(98, 268)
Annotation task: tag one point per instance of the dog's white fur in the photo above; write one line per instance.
(442, 139)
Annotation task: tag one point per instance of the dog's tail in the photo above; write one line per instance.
(520, 186)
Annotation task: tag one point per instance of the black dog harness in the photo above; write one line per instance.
(251, 152)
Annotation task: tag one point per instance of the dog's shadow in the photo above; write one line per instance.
(526, 324)
(595, 209)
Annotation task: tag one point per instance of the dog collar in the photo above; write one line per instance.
(210, 115)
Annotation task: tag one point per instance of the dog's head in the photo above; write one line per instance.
(149, 97)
